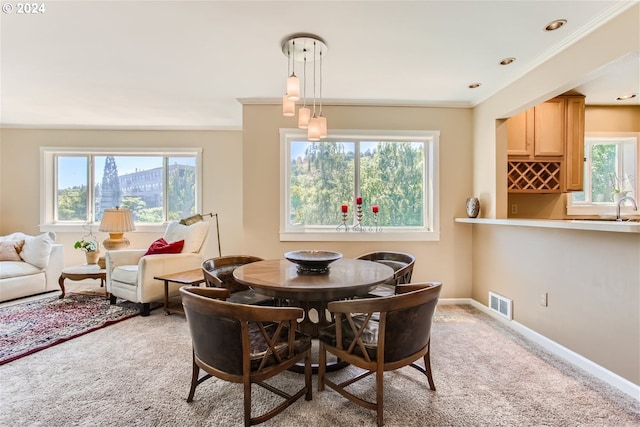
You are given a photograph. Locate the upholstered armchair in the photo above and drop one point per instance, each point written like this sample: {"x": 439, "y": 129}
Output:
{"x": 400, "y": 337}
{"x": 246, "y": 344}
{"x": 402, "y": 264}
{"x": 131, "y": 272}
{"x": 218, "y": 272}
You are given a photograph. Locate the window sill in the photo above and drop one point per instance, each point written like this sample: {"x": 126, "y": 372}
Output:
{"x": 361, "y": 236}
{"x": 602, "y": 210}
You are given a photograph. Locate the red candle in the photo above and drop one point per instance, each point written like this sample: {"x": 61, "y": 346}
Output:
{"x": 374, "y": 208}
{"x": 345, "y": 208}
{"x": 359, "y": 200}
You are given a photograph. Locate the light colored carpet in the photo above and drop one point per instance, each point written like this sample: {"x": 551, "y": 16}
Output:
{"x": 137, "y": 373}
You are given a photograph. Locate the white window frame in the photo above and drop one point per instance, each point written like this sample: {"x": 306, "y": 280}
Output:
{"x": 429, "y": 232}
{"x": 48, "y": 182}
{"x": 606, "y": 209}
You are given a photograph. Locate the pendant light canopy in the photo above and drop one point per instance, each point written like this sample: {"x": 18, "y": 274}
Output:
{"x": 305, "y": 48}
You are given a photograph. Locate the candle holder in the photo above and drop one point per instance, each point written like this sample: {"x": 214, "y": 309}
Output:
{"x": 344, "y": 223}
{"x": 376, "y": 227}
{"x": 358, "y": 225}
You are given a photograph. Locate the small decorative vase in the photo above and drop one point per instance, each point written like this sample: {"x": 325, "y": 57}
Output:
{"x": 619, "y": 195}
{"x": 92, "y": 257}
{"x": 473, "y": 207}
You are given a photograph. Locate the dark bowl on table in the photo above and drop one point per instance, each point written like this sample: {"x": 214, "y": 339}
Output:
{"x": 313, "y": 262}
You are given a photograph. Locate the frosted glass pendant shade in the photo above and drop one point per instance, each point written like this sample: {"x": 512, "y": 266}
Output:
{"x": 304, "y": 114}
{"x": 322, "y": 126}
{"x": 288, "y": 107}
{"x": 313, "y": 131}
{"x": 293, "y": 88}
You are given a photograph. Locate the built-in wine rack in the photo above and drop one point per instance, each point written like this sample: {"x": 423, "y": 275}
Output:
{"x": 534, "y": 176}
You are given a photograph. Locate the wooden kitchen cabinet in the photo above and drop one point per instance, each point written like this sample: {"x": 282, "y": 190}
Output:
{"x": 549, "y": 125}
{"x": 539, "y": 131}
{"x": 545, "y": 147}
{"x": 574, "y": 155}
{"x": 520, "y": 134}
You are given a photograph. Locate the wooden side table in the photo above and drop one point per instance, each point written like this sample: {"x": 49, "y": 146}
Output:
{"x": 189, "y": 278}
{"x": 81, "y": 272}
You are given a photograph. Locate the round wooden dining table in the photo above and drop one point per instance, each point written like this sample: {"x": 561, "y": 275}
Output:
{"x": 346, "y": 278}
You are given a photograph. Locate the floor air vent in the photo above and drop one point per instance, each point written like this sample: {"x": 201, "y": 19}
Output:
{"x": 500, "y": 304}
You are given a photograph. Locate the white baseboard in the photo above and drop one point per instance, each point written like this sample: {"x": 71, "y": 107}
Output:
{"x": 570, "y": 356}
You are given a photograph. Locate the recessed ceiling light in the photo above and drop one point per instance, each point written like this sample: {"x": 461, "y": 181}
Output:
{"x": 626, "y": 96}
{"x": 554, "y": 25}
{"x": 507, "y": 61}
{"x": 474, "y": 85}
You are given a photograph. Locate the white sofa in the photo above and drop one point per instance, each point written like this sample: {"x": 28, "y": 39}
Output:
{"x": 32, "y": 268}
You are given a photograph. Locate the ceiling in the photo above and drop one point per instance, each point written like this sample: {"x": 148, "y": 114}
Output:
{"x": 191, "y": 64}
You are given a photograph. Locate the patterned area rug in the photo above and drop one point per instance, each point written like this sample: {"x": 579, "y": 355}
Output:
{"x": 36, "y": 325}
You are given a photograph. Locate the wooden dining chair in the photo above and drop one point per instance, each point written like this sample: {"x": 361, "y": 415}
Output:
{"x": 245, "y": 344}
{"x": 400, "y": 338}
{"x": 402, "y": 264}
{"x": 218, "y": 272}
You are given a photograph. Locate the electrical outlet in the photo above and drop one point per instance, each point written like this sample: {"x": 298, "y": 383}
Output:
{"x": 514, "y": 209}
{"x": 544, "y": 299}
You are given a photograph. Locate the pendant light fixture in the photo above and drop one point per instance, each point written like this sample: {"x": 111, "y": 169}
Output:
{"x": 322, "y": 121}
{"x": 304, "y": 113}
{"x": 298, "y": 48}
{"x": 288, "y": 106}
{"x": 313, "y": 131}
{"x": 293, "y": 83}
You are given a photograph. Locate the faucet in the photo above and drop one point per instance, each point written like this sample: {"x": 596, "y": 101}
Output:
{"x": 622, "y": 199}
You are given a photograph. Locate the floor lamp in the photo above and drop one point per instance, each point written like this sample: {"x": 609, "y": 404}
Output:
{"x": 200, "y": 217}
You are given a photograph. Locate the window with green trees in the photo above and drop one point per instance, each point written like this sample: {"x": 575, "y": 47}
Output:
{"x": 392, "y": 172}
{"x": 157, "y": 187}
{"x": 609, "y": 169}
{"x": 610, "y": 172}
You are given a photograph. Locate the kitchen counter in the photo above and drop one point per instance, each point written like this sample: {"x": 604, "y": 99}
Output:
{"x": 571, "y": 224}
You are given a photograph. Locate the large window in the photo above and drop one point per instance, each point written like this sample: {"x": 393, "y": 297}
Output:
{"x": 157, "y": 186}
{"x": 394, "y": 173}
{"x": 610, "y": 171}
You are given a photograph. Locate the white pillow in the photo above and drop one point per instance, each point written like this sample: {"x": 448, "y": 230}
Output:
{"x": 37, "y": 250}
{"x": 193, "y": 235}
{"x": 14, "y": 236}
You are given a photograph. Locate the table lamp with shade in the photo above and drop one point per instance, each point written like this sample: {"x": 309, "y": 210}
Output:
{"x": 116, "y": 222}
